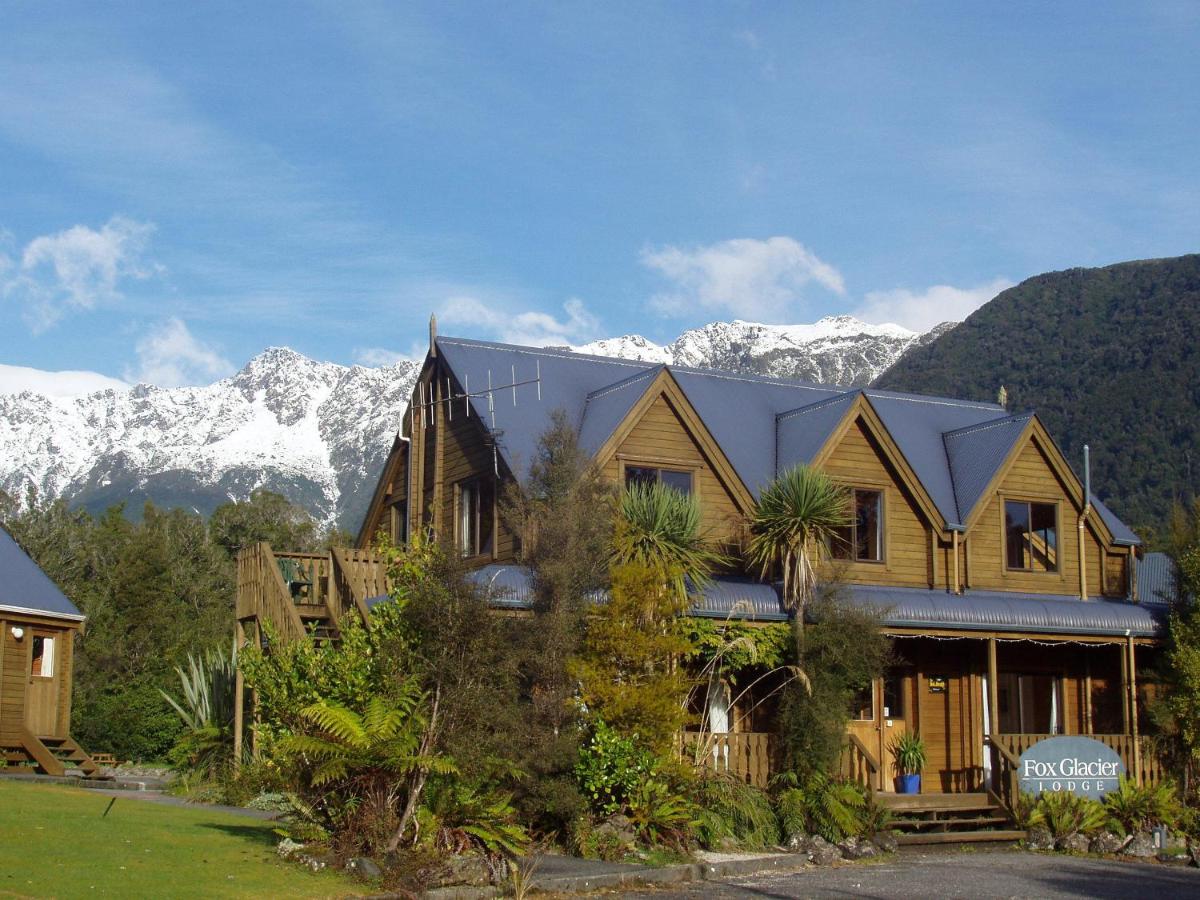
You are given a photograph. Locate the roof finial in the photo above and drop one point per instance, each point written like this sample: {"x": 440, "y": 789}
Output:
{"x": 1002, "y": 397}
{"x": 432, "y": 334}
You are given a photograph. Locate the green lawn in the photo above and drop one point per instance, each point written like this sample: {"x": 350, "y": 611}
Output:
{"x": 56, "y": 842}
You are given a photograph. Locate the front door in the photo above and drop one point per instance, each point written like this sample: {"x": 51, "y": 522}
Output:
{"x": 877, "y": 719}
{"x": 45, "y": 679}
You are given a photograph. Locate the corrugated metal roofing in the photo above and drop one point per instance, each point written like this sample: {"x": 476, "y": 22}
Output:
{"x": 24, "y": 587}
{"x": 1156, "y": 580}
{"x": 1003, "y": 611}
{"x": 975, "y": 455}
{"x": 1122, "y": 533}
{"x": 761, "y": 424}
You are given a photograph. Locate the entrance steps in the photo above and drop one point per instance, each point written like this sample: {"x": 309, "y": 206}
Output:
{"x": 47, "y": 755}
{"x": 948, "y": 818}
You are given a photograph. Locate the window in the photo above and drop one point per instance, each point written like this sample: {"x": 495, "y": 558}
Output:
{"x": 862, "y": 539}
{"x": 43, "y": 656}
{"x": 675, "y": 478}
{"x": 1031, "y": 536}
{"x": 862, "y": 707}
{"x": 473, "y": 520}
{"x": 1029, "y": 704}
{"x": 399, "y": 523}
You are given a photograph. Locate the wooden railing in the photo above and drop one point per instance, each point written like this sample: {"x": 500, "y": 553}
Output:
{"x": 358, "y": 576}
{"x": 857, "y": 763}
{"x": 262, "y": 593}
{"x": 745, "y": 755}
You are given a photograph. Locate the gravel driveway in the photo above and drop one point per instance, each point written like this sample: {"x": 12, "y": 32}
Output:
{"x": 971, "y": 873}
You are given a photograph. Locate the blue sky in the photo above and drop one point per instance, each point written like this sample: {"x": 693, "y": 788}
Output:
{"x": 183, "y": 185}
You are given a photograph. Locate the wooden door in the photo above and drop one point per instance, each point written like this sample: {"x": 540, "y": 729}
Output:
{"x": 879, "y": 718}
{"x": 45, "y": 683}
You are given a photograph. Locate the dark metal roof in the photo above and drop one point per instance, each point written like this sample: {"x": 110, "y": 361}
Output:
{"x": 762, "y": 424}
{"x": 1002, "y": 611}
{"x": 24, "y": 587}
{"x": 1156, "y": 580}
{"x": 1122, "y": 533}
{"x": 976, "y": 453}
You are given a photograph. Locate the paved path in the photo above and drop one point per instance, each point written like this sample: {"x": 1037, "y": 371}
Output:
{"x": 919, "y": 875}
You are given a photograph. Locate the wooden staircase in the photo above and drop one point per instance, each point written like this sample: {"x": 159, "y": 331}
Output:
{"x": 48, "y": 755}
{"x": 949, "y": 818}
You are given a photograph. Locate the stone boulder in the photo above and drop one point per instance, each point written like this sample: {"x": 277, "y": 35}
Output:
{"x": 886, "y": 842}
{"x": 1075, "y": 843}
{"x": 821, "y": 852}
{"x": 1106, "y": 843}
{"x": 1039, "y": 839}
{"x": 364, "y": 867}
{"x": 857, "y": 848}
{"x": 1141, "y": 846}
{"x": 465, "y": 868}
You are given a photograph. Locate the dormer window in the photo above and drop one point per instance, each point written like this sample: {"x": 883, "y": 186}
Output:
{"x": 862, "y": 539}
{"x": 678, "y": 479}
{"x": 1031, "y": 536}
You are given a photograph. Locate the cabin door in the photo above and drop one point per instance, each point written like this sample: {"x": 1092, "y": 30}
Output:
{"x": 878, "y": 718}
{"x": 45, "y": 681}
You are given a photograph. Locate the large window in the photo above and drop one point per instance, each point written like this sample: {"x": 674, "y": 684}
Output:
{"x": 473, "y": 517}
{"x": 679, "y": 479}
{"x": 1031, "y": 536}
{"x": 862, "y": 539}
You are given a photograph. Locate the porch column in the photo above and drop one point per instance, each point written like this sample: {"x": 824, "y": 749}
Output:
{"x": 1124, "y": 689}
{"x": 239, "y": 688}
{"x": 1133, "y": 711}
{"x": 1087, "y": 695}
{"x": 993, "y": 690}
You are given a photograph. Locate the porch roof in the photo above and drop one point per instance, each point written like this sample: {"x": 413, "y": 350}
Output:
{"x": 1005, "y": 611}
{"x": 747, "y": 599}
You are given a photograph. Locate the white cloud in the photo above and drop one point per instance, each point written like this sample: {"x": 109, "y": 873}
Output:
{"x": 761, "y": 280}
{"x": 531, "y": 328}
{"x": 170, "y": 356}
{"x": 920, "y": 311}
{"x": 75, "y": 269}
{"x": 15, "y": 379}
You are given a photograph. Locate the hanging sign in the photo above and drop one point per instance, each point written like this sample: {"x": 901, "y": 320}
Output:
{"x": 1077, "y": 765}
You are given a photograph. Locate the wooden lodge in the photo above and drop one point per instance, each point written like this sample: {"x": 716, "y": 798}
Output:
{"x": 1015, "y": 596}
{"x": 38, "y": 625}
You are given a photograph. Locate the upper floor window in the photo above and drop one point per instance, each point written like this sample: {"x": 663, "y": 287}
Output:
{"x": 473, "y": 517}
{"x": 1031, "y": 536}
{"x": 398, "y": 522}
{"x": 679, "y": 479}
{"x": 862, "y": 539}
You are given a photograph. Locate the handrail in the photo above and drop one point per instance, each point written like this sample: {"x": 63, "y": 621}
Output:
{"x": 871, "y": 761}
{"x": 262, "y": 593}
{"x": 356, "y": 577}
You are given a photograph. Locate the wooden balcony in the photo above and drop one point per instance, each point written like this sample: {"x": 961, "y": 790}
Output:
{"x": 744, "y": 755}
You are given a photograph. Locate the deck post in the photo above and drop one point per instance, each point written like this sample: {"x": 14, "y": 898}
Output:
{"x": 1123, "y": 652}
{"x": 993, "y": 690}
{"x": 1133, "y": 711}
{"x": 1088, "y": 728}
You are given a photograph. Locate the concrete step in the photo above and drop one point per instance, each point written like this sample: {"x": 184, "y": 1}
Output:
{"x": 961, "y": 837}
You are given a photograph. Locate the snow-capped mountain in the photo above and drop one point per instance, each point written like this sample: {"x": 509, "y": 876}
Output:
{"x": 320, "y": 432}
{"x": 835, "y": 350}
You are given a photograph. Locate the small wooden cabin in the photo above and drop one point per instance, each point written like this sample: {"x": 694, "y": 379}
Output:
{"x": 38, "y": 625}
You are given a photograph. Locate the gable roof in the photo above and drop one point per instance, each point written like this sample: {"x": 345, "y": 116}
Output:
{"x": 762, "y": 425}
{"x": 25, "y": 588}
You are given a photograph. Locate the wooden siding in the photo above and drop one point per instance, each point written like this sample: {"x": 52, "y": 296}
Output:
{"x": 1032, "y": 478}
{"x": 12, "y": 682}
{"x": 660, "y": 438}
{"x": 858, "y": 461}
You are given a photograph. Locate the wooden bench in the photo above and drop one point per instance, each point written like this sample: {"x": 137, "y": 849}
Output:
{"x": 104, "y": 760}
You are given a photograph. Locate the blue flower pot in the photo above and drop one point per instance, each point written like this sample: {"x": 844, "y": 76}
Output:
{"x": 908, "y": 784}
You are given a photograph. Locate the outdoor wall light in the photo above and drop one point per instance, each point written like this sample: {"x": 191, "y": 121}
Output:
{"x": 18, "y": 632}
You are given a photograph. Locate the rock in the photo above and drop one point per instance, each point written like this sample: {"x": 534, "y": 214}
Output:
{"x": 1106, "y": 843}
{"x": 315, "y": 860}
{"x": 728, "y": 844}
{"x": 364, "y": 866}
{"x": 1075, "y": 843}
{"x": 1141, "y": 847}
{"x": 857, "y": 848}
{"x": 797, "y": 843}
{"x": 886, "y": 842}
{"x": 466, "y": 868}
{"x": 1039, "y": 839}
{"x": 821, "y": 852}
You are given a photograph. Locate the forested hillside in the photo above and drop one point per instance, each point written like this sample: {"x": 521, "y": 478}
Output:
{"x": 1107, "y": 357}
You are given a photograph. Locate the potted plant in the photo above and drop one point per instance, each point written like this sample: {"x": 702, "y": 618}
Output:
{"x": 909, "y": 752}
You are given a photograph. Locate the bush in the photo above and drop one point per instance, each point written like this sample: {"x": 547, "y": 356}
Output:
{"x": 1065, "y": 815}
{"x": 820, "y": 805}
{"x": 611, "y": 767}
{"x": 133, "y": 723}
{"x": 1135, "y": 809}
{"x": 462, "y": 815}
{"x": 729, "y": 808}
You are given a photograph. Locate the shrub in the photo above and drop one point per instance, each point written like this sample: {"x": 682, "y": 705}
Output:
{"x": 729, "y": 808}
{"x": 611, "y": 767}
{"x": 464, "y": 815}
{"x": 1137, "y": 809}
{"x": 1065, "y": 815}
{"x": 821, "y": 805}
{"x": 662, "y": 816}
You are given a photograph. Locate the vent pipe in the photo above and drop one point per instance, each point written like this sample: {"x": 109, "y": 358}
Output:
{"x": 1082, "y": 523}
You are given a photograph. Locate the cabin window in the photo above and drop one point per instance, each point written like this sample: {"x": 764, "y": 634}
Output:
{"x": 862, "y": 539}
{"x": 1031, "y": 536}
{"x": 862, "y": 707}
{"x": 473, "y": 522}
{"x": 893, "y": 695}
{"x": 1030, "y": 704}
{"x": 43, "y": 656}
{"x": 679, "y": 479}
